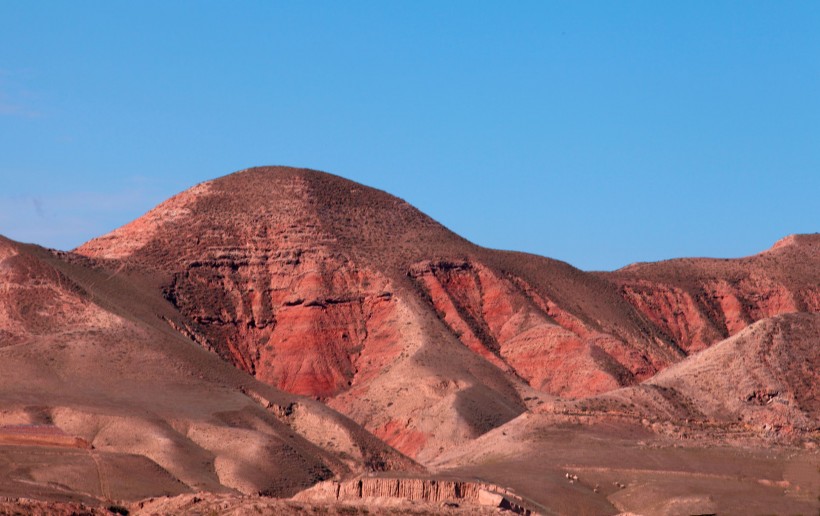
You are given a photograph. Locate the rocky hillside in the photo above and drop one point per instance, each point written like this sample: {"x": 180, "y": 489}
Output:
{"x": 324, "y": 287}
{"x": 767, "y": 376}
{"x": 102, "y": 399}
{"x": 697, "y": 302}
{"x": 280, "y": 328}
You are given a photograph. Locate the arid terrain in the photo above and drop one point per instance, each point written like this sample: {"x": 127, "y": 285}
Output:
{"x": 287, "y": 341}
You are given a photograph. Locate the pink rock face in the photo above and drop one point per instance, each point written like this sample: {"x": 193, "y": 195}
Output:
{"x": 698, "y": 302}
{"x": 675, "y": 311}
{"x": 514, "y": 330}
{"x": 401, "y": 436}
{"x": 300, "y": 321}
{"x": 255, "y": 271}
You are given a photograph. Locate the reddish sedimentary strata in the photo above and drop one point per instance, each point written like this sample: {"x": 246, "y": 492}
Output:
{"x": 298, "y": 278}
{"x": 299, "y": 320}
{"x": 697, "y": 302}
{"x": 323, "y": 287}
{"x": 518, "y": 330}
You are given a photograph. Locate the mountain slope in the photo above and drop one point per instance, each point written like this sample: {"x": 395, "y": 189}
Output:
{"x": 153, "y": 361}
{"x": 731, "y": 429}
{"x": 324, "y": 287}
{"x": 102, "y": 399}
{"x": 697, "y": 302}
{"x": 768, "y": 375}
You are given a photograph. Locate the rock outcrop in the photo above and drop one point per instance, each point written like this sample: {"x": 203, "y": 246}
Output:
{"x": 427, "y": 490}
{"x": 522, "y": 331}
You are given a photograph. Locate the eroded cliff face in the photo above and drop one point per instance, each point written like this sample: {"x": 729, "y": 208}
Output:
{"x": 512, "y": 326}
{"x": 300, "y": 319}
{"x": 698, "y": 302}
{"x": 298, "y": 278}
{"x": 427, "y": 490}
{"x": 255, "y": 274}
{"x": 255, "y": 267}
{"x": 676, "y": 312}
{"x": 715, "y": 309}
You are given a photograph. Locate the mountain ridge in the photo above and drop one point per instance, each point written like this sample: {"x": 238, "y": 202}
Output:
{"x": 325, "y": 287}
{"x": 275, "y": 328}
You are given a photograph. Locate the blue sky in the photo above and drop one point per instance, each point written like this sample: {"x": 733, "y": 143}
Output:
{"x": 600, "y": 133}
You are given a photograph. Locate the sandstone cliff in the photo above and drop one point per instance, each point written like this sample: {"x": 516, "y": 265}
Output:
{"x": 426, "y": 490}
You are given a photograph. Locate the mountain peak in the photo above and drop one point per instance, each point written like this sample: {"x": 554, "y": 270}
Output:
{"x": 272, "y": 207}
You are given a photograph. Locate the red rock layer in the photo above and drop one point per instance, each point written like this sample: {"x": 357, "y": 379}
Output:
{"x": 401, "y": 436}
{"x": 697, "y": 302}
{"x": 255, "y": 273}
{"x": 39, "y": 435}
{"x": 518, "y": 330}
{"x": 299, "y": 320}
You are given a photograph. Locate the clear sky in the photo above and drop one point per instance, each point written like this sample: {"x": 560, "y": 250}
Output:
{"x": 596, "y": 133}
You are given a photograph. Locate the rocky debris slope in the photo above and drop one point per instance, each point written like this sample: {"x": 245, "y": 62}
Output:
{"x": 758, "y": 387}
{"x": 767, "y": 376}
{"x": 697, "y": 302}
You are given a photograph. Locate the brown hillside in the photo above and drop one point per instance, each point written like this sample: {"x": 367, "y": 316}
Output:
{"x": 102, "y": 399}
{"x": 153, "y": 363}
{"x": 732, "y": 429}
{"x": 768, "y": 375}
{"x": 325, "y": 287}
